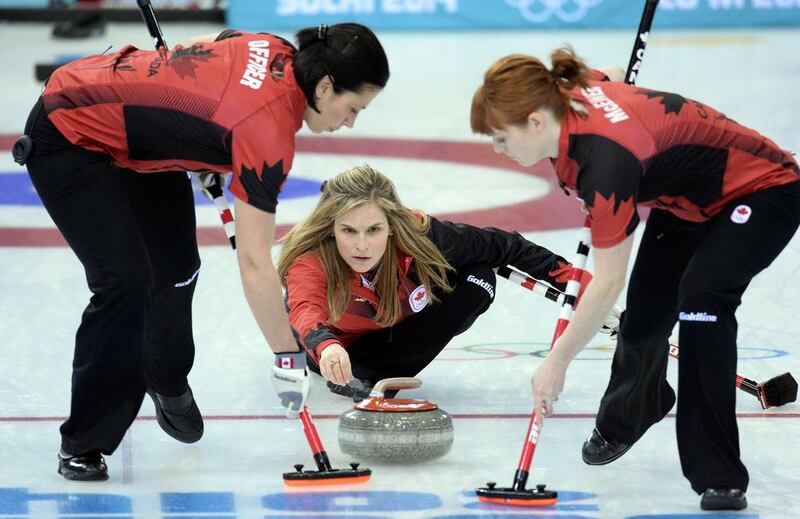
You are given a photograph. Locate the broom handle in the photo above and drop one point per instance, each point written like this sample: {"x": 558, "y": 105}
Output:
{"x": 320, "y": 456}
{"x": 567, "y": 307}
{"x": 152, "y": 24}
{"x": 220, "y": 203}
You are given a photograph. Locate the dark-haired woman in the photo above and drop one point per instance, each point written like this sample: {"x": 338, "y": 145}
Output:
{"x": 113, "y": 137}
{"x": 724, "y": 202}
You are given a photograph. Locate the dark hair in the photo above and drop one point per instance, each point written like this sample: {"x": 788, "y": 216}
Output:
{"x": 516, "y": 85}
{"x": 348, "y": 52}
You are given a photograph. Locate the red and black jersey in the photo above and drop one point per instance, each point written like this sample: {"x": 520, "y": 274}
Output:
{"x": 460, "y": 244}
{"x": 230, "y": 105}
{"x": 629, "y": 146}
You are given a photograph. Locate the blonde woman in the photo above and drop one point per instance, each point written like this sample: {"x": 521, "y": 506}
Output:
{"x": 376, "y": 290}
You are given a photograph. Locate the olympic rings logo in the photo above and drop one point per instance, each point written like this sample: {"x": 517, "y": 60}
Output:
{"x": 538, "y": 11}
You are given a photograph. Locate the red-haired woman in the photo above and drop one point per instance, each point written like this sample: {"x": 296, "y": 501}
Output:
{"x": 724, "y": 203}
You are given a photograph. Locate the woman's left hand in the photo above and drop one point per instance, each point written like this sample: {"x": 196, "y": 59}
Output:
{"x": 547, "y": 383}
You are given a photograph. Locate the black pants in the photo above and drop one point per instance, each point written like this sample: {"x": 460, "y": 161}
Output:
{"x": 408, "y": 347}
{"x": 696, "y": 273}
{"x": 135, "y": 236}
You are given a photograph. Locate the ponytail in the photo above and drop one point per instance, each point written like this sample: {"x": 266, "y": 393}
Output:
{"x": 569, "y": 71}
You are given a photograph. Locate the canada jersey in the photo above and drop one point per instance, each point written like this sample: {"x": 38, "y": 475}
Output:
{"x": 231, "y": 105}
{"x": 627, "y": 146}
{"x": 461, "y": 245}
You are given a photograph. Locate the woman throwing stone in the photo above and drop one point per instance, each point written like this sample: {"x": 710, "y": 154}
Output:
{"x": 233, "y": 104}
{"x": 376, "y": 290}
{"x": 724, "y": 202}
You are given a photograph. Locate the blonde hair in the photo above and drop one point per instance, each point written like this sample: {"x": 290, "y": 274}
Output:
{"x": 344, "y": 192}
{"x": 518, "y": 85}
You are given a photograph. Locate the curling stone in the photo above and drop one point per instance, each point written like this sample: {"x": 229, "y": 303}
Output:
{"x": 395, "y": 430}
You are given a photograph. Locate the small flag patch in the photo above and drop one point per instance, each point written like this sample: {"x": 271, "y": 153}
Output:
{"x": 418, "y": 299}
{"x": 741, "y": 214}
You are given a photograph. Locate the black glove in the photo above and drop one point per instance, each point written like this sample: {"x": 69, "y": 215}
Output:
{"x": 211, "y": 184}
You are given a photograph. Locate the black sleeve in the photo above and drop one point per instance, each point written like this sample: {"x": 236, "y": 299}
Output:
{"x": 263, "y": 192}
{"x": 608, "y": 183}
{"x": 463, "y": 244}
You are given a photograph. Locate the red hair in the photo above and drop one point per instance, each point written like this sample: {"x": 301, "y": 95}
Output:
{"x": 517, "y": 85}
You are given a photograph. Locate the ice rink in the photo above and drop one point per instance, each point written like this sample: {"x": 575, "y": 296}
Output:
{"x": 417, "y": 132}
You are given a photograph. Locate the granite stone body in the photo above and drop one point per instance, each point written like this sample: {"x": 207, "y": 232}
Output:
{"x": 396, "y": 437}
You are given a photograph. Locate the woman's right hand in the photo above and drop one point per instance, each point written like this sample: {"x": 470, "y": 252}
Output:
{"x": 334, "y": 364}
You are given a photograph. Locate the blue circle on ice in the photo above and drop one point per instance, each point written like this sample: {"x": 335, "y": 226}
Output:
{"x": 16, "y": 189}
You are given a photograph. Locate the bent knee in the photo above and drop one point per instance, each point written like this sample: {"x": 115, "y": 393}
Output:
{"x": 479, "y": 279}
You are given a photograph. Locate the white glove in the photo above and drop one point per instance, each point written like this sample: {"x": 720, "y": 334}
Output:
{"x": 211, "y": 184}
{"x": 611, "y": 326}
{"x": 291, "y": 381}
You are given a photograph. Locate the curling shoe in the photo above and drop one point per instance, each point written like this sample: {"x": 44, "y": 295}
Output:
{"x": 89, "y": 466}
{"x": 723, "y": 499}
{"x": 178, "y": 416}
{"x": 599, "y": 451}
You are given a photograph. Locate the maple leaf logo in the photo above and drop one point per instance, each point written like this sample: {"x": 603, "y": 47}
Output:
{"x": 264, "y": 187}
{"x": 673, "y": 103}
{"x": 184, "y": 60}
{"x": 616, "y": 219}
{"x": 420, "y": 295}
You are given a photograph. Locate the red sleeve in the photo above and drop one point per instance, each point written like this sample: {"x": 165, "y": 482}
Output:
{"x": 263, "y": 151}
{"x": 307, "y": 304}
